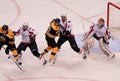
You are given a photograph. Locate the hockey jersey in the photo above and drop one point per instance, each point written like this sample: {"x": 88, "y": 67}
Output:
{"x": 8, "y": 37}
{"x": 27, "y": 35}
{"x": 53, "y": 30}
{"x": 100, "y": 32}
{"x": 66, "y": 27}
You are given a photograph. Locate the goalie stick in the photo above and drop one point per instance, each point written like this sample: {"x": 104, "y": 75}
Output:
{"x": 12, "y": 58}
{"x": 87, "y": 47}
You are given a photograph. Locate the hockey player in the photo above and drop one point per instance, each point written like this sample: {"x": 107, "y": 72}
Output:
{"x": 28, "y": 40}
{"x": 7, "y": 38}
{"x": 101, "y": 33}
{"x": 66, "y": 34}
{"x": 51, "y": 33}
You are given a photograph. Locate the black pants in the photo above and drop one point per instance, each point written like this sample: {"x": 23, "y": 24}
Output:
{"x": 33, "y": 47}
{"x": 98, "y": 38}
{"x": 71, "y": 41}
{"x": 9, "y": 46}
{"x": 51, "y": 42}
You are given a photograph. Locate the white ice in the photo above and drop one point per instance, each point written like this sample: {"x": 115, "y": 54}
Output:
{"x": 69, "y": 66}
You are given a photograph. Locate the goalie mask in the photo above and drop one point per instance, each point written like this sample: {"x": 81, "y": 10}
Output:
{"x": 101, "y": 22}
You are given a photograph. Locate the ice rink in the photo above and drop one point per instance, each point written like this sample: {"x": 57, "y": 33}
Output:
{"x": 69, "y": 66}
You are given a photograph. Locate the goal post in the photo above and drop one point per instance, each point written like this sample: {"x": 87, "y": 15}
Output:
{"x": 113, "y": 13}
{"x": 113, "y": 18}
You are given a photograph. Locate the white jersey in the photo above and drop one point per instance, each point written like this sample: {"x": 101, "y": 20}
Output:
{"x": 67, "y": 25}
{"x": 100, "y": 32}
{"x": 26, "y": 34}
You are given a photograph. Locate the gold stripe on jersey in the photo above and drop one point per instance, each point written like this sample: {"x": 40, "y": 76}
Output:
{"x": 53, "y": 30}
{"x": 9, "y": 33}
{"x": 55, "y": 27}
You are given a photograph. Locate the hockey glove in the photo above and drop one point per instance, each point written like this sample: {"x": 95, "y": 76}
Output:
{"x": 14, "y": 32}
{"x": 32, "y": 38}
{"x": 7, "y": 50}
{"x": 66, "y": 32}
{"x": 2, "y": 39}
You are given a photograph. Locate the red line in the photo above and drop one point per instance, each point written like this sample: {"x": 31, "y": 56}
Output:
{"x": 18, "y": 12}
{"x": 9, "y": 79}
{"x": 60, "y": 78}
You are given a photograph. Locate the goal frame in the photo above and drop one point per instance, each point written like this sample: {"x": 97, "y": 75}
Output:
{"x": 108, "y": 11}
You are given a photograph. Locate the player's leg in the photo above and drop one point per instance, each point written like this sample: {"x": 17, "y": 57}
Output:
{"x": 21, "y": 47}
{"x": 15, "y": 53}
{"x": 54, "y": 51}
{"x": 49, "y": 43}
{"x": 75, "y": 47}
{"x": 73, "y": 44}
{"x": 88, "y": 45}
{"x": 1, "y": 44}
{"x": 60, "y": 41}
{"x": 53, "y": 55}
{"x": 105, "y": 49}
{"x": 34, "y": 49}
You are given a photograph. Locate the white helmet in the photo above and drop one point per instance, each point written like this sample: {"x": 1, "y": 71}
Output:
{"x": 64, "y": 15}
{"x": 25, "y": 24}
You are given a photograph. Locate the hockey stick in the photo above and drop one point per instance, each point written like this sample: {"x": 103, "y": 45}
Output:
{"x": 83, "y": 26}
{"x": 12, "y": 58}
{"x": 113, "y": 37}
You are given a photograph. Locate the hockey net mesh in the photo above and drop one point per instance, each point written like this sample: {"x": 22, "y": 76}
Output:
{"x": 114, "y": 20}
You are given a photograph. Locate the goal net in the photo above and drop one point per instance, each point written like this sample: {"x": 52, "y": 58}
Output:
{"x": 113, "y": 18}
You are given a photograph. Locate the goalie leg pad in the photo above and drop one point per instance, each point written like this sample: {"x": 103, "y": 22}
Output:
{"x": 104, "y": 48}
{"x": 91, "y": 43}
{"x": 88, "y": 45}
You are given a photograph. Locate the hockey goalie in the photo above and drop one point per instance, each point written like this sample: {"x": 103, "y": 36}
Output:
{"x": 102, "y": 34}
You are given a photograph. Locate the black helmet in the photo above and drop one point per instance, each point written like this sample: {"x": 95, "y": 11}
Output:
{"x": 5, "y": 27}
{"x": 57, "y": 20}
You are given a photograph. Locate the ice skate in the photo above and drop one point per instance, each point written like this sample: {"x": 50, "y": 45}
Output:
{"x": 83, "y": 53}
{"x": 44, "y": 62}
{"x": 52, "y": 61}
{"x": 111, "y": 56}
{"x": 84, "y": 56}
{"x": 19, "y": 62}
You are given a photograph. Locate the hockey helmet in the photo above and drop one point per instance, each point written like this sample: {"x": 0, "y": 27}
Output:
{"x": 64, "y": 15}
{"x": 57, "y": 20}
{"x": 26, "y": 24}
{"x": 5, "y": 27}
{"x": 101, "y": 20}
